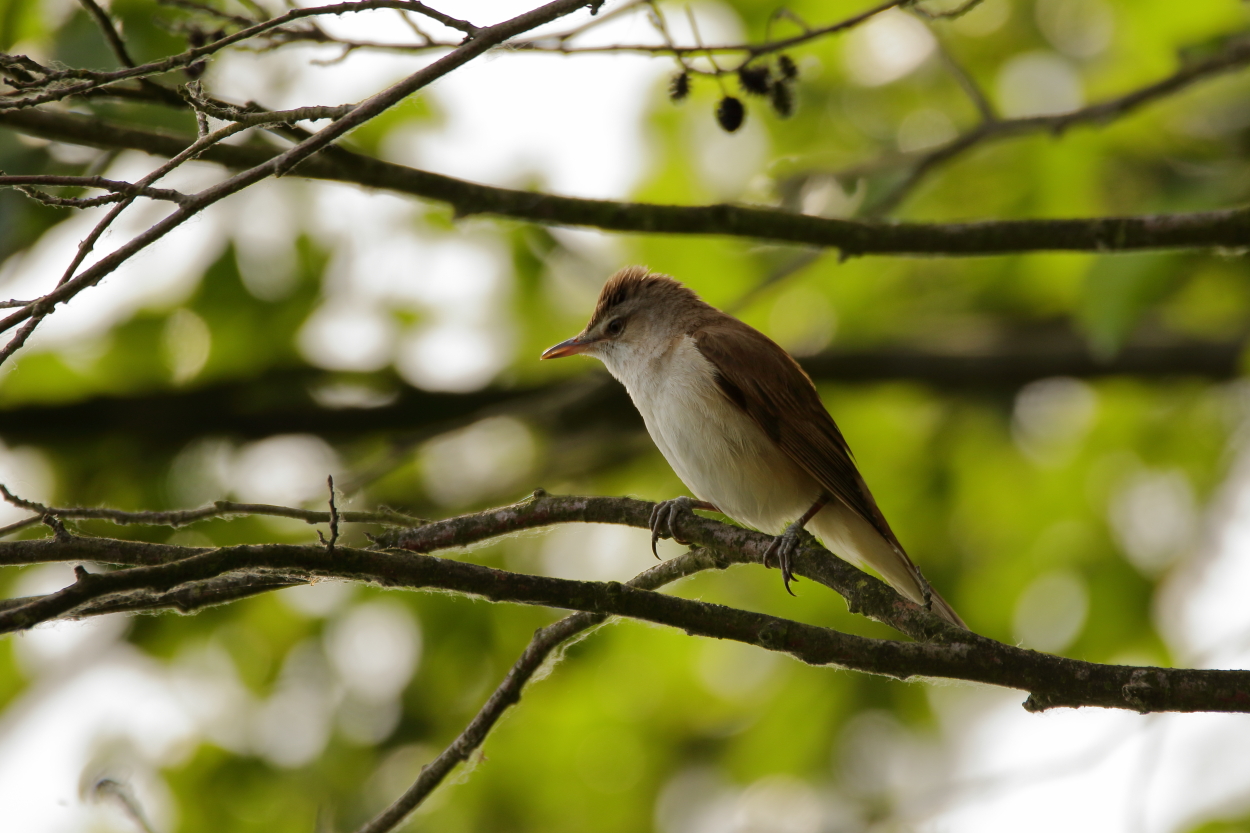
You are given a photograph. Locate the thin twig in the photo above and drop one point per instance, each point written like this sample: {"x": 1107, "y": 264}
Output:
{"x": 90, "y": 80}
{"x": 967, "y": 83}
{"x": 111, "y": 35}
{"x": 957, "y": 12}
{"x": 204, "y": 8}
{"x": 218, "y": 509}
{"x": 334, "y": 520}
{"x": 116, "y": 186}
{"x": 1235, "y": 55}
{"x": 508, "y": 693}
{"x": 42, "y": 307}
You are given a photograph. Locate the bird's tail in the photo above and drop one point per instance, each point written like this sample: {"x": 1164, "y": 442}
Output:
{"x": 848, "y": 535}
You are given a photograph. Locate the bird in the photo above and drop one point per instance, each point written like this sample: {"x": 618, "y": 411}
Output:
{"x": 743, "y": 427}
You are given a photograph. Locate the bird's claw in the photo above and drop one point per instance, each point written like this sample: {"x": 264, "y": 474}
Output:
{"x": 662, "y": 517}
{"x": 784, "y": 547}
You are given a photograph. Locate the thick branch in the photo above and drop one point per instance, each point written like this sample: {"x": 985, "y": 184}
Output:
{"x": 1228, "y": 228}
{"x": 1052, "y": 681}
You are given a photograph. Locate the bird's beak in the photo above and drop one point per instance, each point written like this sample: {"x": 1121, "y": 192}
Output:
{"x": 576, "y": 344}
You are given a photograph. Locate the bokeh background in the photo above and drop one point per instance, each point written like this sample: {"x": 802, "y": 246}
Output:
{"x": 304, "y": 328}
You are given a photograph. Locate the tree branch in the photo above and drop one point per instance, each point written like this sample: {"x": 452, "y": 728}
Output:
{"x": 1227, "y": 228}
{"x": 1052, "y": 681}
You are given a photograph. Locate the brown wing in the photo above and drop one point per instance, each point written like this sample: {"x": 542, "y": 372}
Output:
{"x": 780, "y": 397}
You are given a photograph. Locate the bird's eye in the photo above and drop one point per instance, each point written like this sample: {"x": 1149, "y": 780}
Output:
{"x": 616, "y": 326}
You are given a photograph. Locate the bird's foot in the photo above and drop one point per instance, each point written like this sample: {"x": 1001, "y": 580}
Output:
{"x": 784, "y": 546}
{"x": 668, "y": 511}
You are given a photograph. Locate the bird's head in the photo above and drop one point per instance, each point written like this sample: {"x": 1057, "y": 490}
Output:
{"x": 638, "y": 315}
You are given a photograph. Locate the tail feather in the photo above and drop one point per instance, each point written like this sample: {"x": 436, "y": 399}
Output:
{"x": 848, "y": 535}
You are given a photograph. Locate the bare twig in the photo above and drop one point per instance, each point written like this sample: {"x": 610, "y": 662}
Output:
{"x": 1236, "y": 54}
{"x": 219, "y": 509}
{"x": 42, "y": 307}
{"x": 334, "y": 520}
{"x": 191, "y": 578}
{"x": 89, "y": 80}
{"x": 117, "y": 187}
{"x": 959, "y": 11}
{"x": 967, "y": 83}
{"x": 111, "y": 35}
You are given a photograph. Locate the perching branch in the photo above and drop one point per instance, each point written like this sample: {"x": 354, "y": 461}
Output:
{"x": 952, "y": 653}
{"x": 188, "y": 579}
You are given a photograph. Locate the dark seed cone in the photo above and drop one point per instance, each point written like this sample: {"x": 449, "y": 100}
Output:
{"x": 755, "y": 80}
{"x": 679, "y": 87}
{"x": 786, "y": 66}
{"x": 782, "y": 99}
{"x": 730, "y": 113}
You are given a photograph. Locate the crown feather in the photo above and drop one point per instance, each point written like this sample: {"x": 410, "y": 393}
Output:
{"x": 636, "y": 281}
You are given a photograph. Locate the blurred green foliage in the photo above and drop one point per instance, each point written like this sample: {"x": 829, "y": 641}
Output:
{"x": 985, "y": 499}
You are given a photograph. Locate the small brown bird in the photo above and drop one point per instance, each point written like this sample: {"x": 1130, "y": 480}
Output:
{"x": 742, "y": 425}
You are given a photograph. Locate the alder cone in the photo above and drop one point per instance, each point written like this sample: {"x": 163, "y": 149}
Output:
{"x": 786, "y": 66}
{"x": 679, "y": 87}
{"x": 755, "y": 80}
{"x": 782, "y": 99}
{"x": 730, "y": 113}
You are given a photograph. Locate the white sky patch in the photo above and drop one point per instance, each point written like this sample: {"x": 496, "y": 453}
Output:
{"x": 1038, "y": 84}
{"x": 507, "y": 123}
{"x": 887, "y": 48}
{"x": 57, "y": 729}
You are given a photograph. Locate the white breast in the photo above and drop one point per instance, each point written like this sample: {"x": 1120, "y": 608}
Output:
{"x": 715, "y": 448}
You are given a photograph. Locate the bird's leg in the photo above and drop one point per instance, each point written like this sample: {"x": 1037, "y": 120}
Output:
{"x": 787, "y": 542}
{"x": 665, "y": 512}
